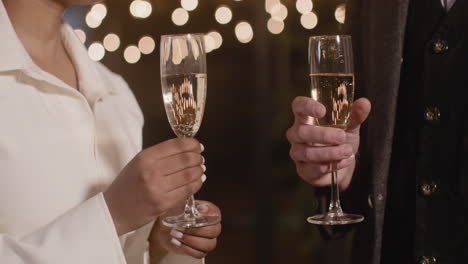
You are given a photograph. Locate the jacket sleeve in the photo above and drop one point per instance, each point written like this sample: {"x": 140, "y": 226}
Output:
{"x": 85, "y": 234}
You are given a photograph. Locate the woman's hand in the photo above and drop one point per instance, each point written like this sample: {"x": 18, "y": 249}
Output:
{"x": 157, "y": 179}
{"x": 314, "y": 148}
{"x": 195, "y": 242}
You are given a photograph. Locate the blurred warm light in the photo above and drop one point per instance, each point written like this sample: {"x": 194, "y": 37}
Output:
{"x": 111, "y": 42}
{"x": 99, "y": 10}
{"x": 146, "y": 45}
{"x": 92, "y": 20}
{"x": 304, "y": 6}
{"x": 81, "y": 35}
{"x": 141, "y": 8}
{"x": 244, "y": 32}
{"x": 223, "y": 15}
{"x": 209, "y": 43}
{"x": 218, "y": 39}
{"x": 132, "y": 54}
{"x": 275, "y": 26}
{"x": 96, "y": 51}
{"x": 309, "y": 20}
{"x": 180, "y": 17}
{"x": 279, "y": 12}
{"x": 189, "y": 5}
{"x": 269, "y": 4}
{"x": 340, "y": 13}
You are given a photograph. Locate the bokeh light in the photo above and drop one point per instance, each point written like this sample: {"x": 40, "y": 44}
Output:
{"x": 189, "y": 5}
{"x": 275, "y": 26}
{"x": 180, "y": 17}
{"x": 304, "y": 6}
{"x": 309, "y": 20}
{"x": 132, "y": 54}
{"x": 223, "y": 15}
{"x": 81, "y": 35}
{"x": 141, "y": 9}
{"x": 217, "y": 37}
{"x": 99, "y": 11}
{"x": 340, "y": 13}
{"x": 244, "y": 32}
{"x": 111, "y": 42}
{"x": 209, "y": 43}
{"x": 269, "y": 4}
{"x": 279, "y": 12}
{"x": 146, "y": 45}
{"x": 96, "y": 51}
{"x": 92, "y": 20}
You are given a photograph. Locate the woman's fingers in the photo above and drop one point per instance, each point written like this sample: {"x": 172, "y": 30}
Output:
{"x": 194, "y": 246}
{"x": 208, "y": 232}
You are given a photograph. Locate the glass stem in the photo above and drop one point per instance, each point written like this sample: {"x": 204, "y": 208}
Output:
{"x": 334, "y": 209}
{"x": 190, "y": 210}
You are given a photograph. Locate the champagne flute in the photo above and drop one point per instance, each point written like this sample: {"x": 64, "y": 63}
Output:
{"x": 332, "y": 84}
{"x": 184, "y": 85}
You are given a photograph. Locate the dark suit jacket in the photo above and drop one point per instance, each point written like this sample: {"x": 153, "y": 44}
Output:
{"x": 378, "y": 29}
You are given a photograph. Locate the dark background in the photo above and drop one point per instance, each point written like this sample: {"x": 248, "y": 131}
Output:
{"x": 250, "y": 88}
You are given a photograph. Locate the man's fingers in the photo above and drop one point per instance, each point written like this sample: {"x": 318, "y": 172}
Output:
{"x": 179, "y": 162}
{"x": 359, "y": 113}
{"x": 318, "y": 175}
{"x": 304, "y": 106}
{"x": 311, "y": 171}
{"x": 316, "y": 134}
{"x": 172, "y": 147}
{"x": 320, "y": 154}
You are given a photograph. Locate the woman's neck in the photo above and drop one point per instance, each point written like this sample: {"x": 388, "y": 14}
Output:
{"x": 37, "y": 24}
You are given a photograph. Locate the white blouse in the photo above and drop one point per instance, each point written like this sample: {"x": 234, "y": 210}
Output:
{"x": 59, "y": 149}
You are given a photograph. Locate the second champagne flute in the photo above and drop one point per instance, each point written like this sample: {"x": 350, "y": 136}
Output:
{"x": 332, "y": 84}
{"x": 184, "y": 85}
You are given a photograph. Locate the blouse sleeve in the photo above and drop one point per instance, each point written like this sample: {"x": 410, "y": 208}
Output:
{"x": 85, "y": 234}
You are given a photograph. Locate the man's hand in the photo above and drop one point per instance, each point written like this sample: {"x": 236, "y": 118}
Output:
{"x": 314, "y": 148}
{"x": 195, "y": 242}
{"x": 156, "y": 180}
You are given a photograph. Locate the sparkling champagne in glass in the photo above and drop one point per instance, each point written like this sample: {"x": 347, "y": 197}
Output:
{"x": 184, "y": 85}
{"x": 332, "y": 84}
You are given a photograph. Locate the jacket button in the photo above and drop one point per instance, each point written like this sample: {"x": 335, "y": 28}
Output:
{"x": 428, "y": 189}
{"x": 427, "y": 260}
{"x": 440, "y": 46}
{"x": 432, "y": 114}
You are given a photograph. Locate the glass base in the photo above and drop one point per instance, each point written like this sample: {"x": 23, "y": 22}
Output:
{"x": 343, "y": 219}
{"x": 184, "y": 222}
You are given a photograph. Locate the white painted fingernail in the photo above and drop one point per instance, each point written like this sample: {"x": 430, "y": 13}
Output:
{"x": 202, "y": 147}
{"x": 176, "y": 242}
{"x": 203, "y": 159}
{"x": 203, "y": 167}
{"x": 176, "y": 234}
{"x": 203, "y": 178}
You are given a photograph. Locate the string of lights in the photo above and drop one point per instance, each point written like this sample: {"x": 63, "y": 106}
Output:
{"x": 142, "y": 9}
